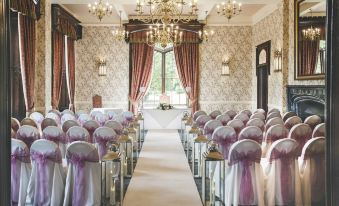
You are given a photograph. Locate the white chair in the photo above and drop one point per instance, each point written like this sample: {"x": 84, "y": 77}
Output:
{"x": 68, "y": 124}
{"x": 224, "y": 136}
{"x": 274, "y": 133}
{"x": 283, "y": 182}
{"x": 237, "y": 125}
{"x": 301, "y": 133}
{"x": 260, "y": 111}
{"x": 129, "y": 116}
{"x": 116, "y": 126}
{"x": 246, "y": 111}
{"x": 224, "y": 119}
{"x": 54, "y": 116}
{"x": 77, "y": 133}
{"x": 251, "y": 132}
{"x": 20, "y": 171}
{"x": 260, "y": 116}
{"x": 243, "y": 117}
{"x": 29, "y": 121}
{"x": 94, "y": 113}
{"x": 79, "y": 113}
{"x": 121, "y": 119}
{"x": 244, "y": 179}
{"x": 47, "y": 183}
{"x": 48, "y": 122}
{"x": 202, "y": 120}
{"x": 56, "y": 135}
{"x": 65, "y": 117}
{"x": 312, "y": 171}
{"x": 27, "y": 134}
{"x": 288, "y": 115}
{"x": 210, "y": 126}
{"x": 67, "y": 111}
{"x": 111, "y": 114}
{"x": 37, "y": 117}
{"x": 214, "y": 114}
{"x": 83, "y": 175}
{"x": 290, "y": 122}
{"x": 231, "y": 113}
{"x": 15, "y": 124}
{"x": 197, "y": 114}
{"x": 91, "y": 126}
{"x": 55, "y": 112}
{"x": 319, "y": 131}
{"x": 273, "y": 121}
{"x": 256, "y": 122}
{"x": 84, "y": 118}
{"x": 273, "y": 115}
{"x": 313, "y": 121}
{"x": 101, "y": 118}
{"x": 273, "y": 110}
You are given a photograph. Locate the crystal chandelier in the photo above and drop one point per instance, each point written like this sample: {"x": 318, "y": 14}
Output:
{"x": 100, "y": 10}
{"x": 166, "y": 11}
{"x": 205, "y": 34}
{"x": 164, "y": 35}
{"x": 311, "y": 33}
{"x": 120, "y": 33}
{"x": 229, "y": 9}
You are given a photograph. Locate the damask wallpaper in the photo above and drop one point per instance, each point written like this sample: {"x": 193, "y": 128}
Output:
{"x": 97, "y": 42}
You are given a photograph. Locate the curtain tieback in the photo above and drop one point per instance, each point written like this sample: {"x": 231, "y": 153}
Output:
{"x": 193, "y": 101}
{"x": 133, "y": 102}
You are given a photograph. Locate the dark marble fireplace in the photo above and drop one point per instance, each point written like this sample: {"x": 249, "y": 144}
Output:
{"x": 306, "y": 100}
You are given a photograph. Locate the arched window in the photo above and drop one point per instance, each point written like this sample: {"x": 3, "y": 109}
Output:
{"x": 165, "y": 79}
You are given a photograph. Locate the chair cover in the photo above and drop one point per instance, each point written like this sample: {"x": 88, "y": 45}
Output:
{"x": 91, "y": 126}
{"x": 83, "y": 175}
{"x": 312, "y": 171}
{"x": 273, "y": 115}
{"x": 237, "y": 125}
{"x": 283, "y": 182}
{"x": 197, "y": 114}
{"x": 273, "y": 110}
{"x": 313, "y": 121}
{"x": 231, "y": 113}
{"x": 116, "y": 126}
{"x": 256, "y": 122}
{"x": 47, "y": 182}
{"x": 37, "y": 117}
{"x": 67, "y": 111}
{"x": 13, "y": 133}
{"x": 84, "y": 118}
{"x": 80, "y": 112}
{"x": 290, "y": 122}
{"x": 301, "y": 133}
{"x": 48, "y": 122}
{"x": 244, "y": 180}
{"x": 28, "y": 135}
{"x": 55, "y": 134}
{"x": 319, "y": 131}
{"x": 273, "y": 134}
{"x": 224, "y": 136}
{"x": 29, "y": 121}
{"x": 55, "y": 112}
{"x": 54, "y": 116}
{"x": 101, "y": 118}
{"x": 243, "y": 117}
{"x": 288, "y": 115}
{"x": 102, "y": 136}
{"x": 129, "y": 116}
{"x": 260, "y": 111}
{"x": 258, "y": 116}
{"x": 214, "y": 114}
{"x": 273, "y": 121}
{"x": 202, "y": 120}
{"x": 20, "y": 171}
{"x": 111, "y": 115}
{"x": 15, "y": 124}
{"x": 251, "y": 132}
{"x": 68, "y": 124}
{"x": 77, "y": 133}
{"x": 210, "y": 126}
{"x": 94, "y": 113}
{"x": 121, "y": 119}
{"x": 66, "y": 117}
{"x": 224, "y": 119}
{"x": 246, "y": 111}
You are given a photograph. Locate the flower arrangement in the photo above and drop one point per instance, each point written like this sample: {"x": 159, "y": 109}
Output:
{"x": 165, "y": 106}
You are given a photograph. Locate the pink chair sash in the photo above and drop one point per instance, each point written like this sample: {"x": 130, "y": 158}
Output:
{"x": 102, "y": 142}
{"x": 41, "y": 194}
{"x": 272, "y": 138}
{"x": 21, "y": 155}
{"x": 56, "y": 138}
{"x": 257, "y": 138}
{"x": 28, "y": 139}
{"x": 246, "y": 160}
{"x": 287, "y": 160}
{"x": 225, "y": 143}
{"x": 80, "y": 181}
{"x": 77, "y": 137}
{"x": 90, "y": 131}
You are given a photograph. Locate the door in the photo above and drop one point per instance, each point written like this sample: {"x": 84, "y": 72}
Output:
{"x": 263, "y": 54}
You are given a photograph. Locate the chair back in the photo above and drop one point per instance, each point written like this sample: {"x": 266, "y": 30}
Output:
{"x": 197, "y": 114}
{"x": 37, "y": 117}
{"x": 290, "y": 122}
{"x": 80, "y": 112}
{"x": 65, "y": 117}
{"x": 224, "y": 136}
{"x": 231, "y": 113}
{"x": 116, "y": 126}
{"x": 246, "y": 111}
{"x": 224, "y": 119}
{"x": 273, "y": 121}
{"x": 202, "y": 120}
{"x": 68, "y": 124}
{"x": 27, "y": 134}
{"x": 243, "y": 117}
{"x": 129, "y": 116}
{"x": 94, "y": 113}
{"x": 29, "y": 121}
{"x": 253, "y": 133}
{"x": 258, "y": 116}
{"x": 121, "y": 119}
{"x": 273, "y": 115}
{"x": 48, "y": 122}
{"x": 67, "y": 111}
{"x": 256, "y": 122}
{"x": 101, "y": 118}
{"x": 276, "y": 132}
{"x": 313, "y": 121}
{"x": 210, "y": 126}
{"x": 54, "y": 116}
{"x": 84, "y": 118}
{"x": 77, "y": 133}
{"x": 319, "y": 131}
{"x": 54, "y": 133}
{"x": 273, "y": 110}
{"x": 260, "y": 111}
{"x": 55, "y": 112}
{"x": 102, "y": 136}
{"x": 214, "y": 114}
{"x": 111, "y": 114}
{"x": 91, "y": 126}
{"x": 288, "y": 115}
{"x": 15, "y": 124}
{"x": 301, "y": 133}
{"x": 237, "y": 125}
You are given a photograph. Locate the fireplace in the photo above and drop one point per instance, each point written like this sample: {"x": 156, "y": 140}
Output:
{"x": 306, "y": 100}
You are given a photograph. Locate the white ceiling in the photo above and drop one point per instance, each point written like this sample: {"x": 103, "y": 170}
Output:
{"x": 253, "y": 11}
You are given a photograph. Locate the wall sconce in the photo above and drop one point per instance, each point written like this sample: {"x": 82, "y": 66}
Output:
{"x": 278, "y": 60}
{"x": 225, "y": 67}
{"x": 102, "y": 67}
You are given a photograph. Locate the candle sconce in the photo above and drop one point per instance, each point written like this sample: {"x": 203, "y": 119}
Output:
{"x": 278, "y": 60}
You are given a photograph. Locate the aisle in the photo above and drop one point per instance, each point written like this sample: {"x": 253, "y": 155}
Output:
{"x": 162, "y": 175}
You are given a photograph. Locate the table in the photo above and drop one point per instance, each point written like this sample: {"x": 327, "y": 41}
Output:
{"x": 163, "y": 119}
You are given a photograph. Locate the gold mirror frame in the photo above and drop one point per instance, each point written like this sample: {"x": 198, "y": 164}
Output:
{"x": 296, "y": 59}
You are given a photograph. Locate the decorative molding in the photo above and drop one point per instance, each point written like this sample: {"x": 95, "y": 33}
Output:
{"x": 264, "y": 12}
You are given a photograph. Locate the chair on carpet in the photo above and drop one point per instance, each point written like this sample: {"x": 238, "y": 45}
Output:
{"x": 313, "y": 121}
{"x": 260, "y": 111}
{"x": 256, "y": 122}
{"x": 47, "y": 182}
{"x": 20, "y": 171}
{"x": 251, "y": 132}
{"x": 116, "y": 126}
{"x": 91, "y": 126}
{"x": 273, "y": 121}
{"x": 83, "y": 176}
{"x": 67, "y": 111}
{"x": 237, "y": 125}
{"x": 55, "y": 112}
{"x": 319, "y": 131}
{"x": 274, "y": 133}
{"x": 56, "y": 135}
{"x": 13, "y": 133}
{"x": 129, "y": 116}
{"x": 202, "y": 120}
{"x": 77, "y": 133}
{"x": 54, "y": 116}
{"x": 224, "y": 119}
{"x": 121, "y": 119}
{"x": 246, "y": 111}
{"x": 288, "y": 115}
{"x": 273, "y": 115}
{"x": 84, "y": 118}
{"x": 301, "y": 133}
{"x": 224, "y": 136}
{"x": 312, "y": 171}
{"x": 231, "y": 113}
{"x": 48, "y": 122}
{"x": 273, "y": 110}
{"x": 37, "y": 117}
{"x": 28, "y": 134}
{"x": 101, "y": 118}
{"x": 290, "y": 122}
{"x": 258, "y": 116}
{"x": 197, "y": 114}
{"x": 29, "y": 121}
{"x": 244, "y": 179}
{"x": 210, "y": 126}
{"x": 66, "y": 117}
{"x": 243, "y": 117}
{"x": 94, "y": 113}
{"x": 214, "y": 114}
{"x": 282, "y": 172}
{"x": 68, "y": 124}
{"x": 15, "y": 124}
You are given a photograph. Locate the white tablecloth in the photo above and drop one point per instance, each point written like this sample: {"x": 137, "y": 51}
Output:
{"x": 163, "y": 119}
{"x": 105, "y": 110}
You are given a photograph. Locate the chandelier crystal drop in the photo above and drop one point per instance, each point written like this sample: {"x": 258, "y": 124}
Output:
{"x": 166, "y": 11}
{"x": 164, "y": 35}
{"x": 100, "y": 9}
{"x": 229, "y": 9}
{"x": 120, "y": 33}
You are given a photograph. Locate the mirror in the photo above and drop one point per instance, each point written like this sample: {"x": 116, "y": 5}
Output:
{"x": 310, "y": 39}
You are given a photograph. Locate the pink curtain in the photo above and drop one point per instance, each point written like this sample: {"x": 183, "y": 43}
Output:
{"x": 141, "y": 71}
{"x": 71, "y": 71}
{"x": 187, "y": 61}
{"x": 27, "y": 58}
{"x": 58, "y": 61}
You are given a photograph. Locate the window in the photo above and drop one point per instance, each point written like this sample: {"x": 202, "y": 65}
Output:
{"x": 165, "y": 79}
{"x": 320, "y": 67}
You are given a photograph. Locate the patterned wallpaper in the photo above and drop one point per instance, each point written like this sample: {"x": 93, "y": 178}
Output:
{"x": 226, "y": 92}
{"x": 98, "y": 42}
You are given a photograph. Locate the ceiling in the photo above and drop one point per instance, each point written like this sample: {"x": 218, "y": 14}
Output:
{"x": 253, "y": 11}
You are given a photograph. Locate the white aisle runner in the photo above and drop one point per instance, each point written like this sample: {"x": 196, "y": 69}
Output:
{"x": 162, "y": 175}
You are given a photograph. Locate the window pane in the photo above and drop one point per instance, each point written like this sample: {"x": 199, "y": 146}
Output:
{"x": 154, "y": 91}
